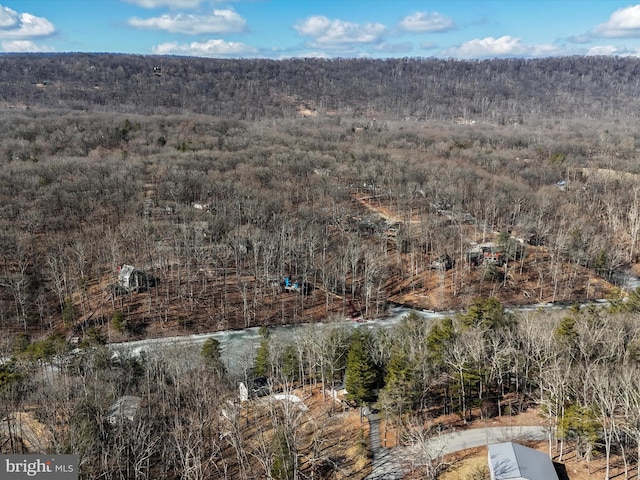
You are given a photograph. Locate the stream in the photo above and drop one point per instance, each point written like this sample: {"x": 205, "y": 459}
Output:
{"x": 238, "y": 346}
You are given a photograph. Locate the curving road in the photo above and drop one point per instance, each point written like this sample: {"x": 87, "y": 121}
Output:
{"x": 388, "y": 462}
{"x": 477, "y": 437}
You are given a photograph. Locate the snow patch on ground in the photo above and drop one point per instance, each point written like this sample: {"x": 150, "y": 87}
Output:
{"x": 290, "y": 398}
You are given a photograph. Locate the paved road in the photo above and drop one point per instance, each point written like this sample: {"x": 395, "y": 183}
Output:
{"x": 387, "y": 463}
{"x": 456, "y": 441}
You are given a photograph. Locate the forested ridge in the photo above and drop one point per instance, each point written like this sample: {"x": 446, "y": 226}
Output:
{"x": 501, "y": 91}
{"x": 254, "y": 193}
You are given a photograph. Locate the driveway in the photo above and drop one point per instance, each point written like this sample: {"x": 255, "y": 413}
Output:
{"x": 477, "y": 437}
{"x": 388, "y": 462}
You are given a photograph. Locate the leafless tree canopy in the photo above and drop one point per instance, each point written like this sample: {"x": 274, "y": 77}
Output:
{"x": 257, "y": 193}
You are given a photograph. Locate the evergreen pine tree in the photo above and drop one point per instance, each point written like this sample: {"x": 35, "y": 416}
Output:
{"x": 289, "y": 363}
{"x": 439, "y": 340}
{"x": 566, "y": 333}
{"x": 361, "y": 374}
{"x": 486, "y": 313}
{"x": 399, "y": 391}
{"x": 283, "y": 467}
{"x": 211, "y": 355}
{"x": 261, "y": 364}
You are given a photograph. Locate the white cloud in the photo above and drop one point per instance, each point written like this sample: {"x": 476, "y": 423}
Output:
{"x": 308, "y": 55}
{"x": 220, "y": 21}
{"x": 613, "y": 50}
{"x": 505, "y": 46}
{"x": 8, "y": 17}
{"x": 175, "y": 4}
{"x": 426, "y": 22}
{"x": 624, "y": 22}
{"x": 402, "y": 47}
{"x": 326, "y": 32}
{"x": 21, "y": 46}
{"x": 14, "y": 25}
{"x": 579, "y": 39}
{"x": 210, "y": 48}
{"x": 490, "y": 47}
{"x": 603, "y": 50}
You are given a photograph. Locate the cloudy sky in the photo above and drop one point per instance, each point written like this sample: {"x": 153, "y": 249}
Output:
{"x": 323, "y": 28}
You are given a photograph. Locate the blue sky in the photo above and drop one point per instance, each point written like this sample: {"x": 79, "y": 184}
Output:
{"x": 318, "y": 28}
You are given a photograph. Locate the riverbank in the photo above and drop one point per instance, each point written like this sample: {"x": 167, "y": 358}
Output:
{"x": 238, "y": 346}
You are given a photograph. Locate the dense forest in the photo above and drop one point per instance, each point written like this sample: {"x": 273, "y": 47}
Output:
{"x": 255, "y": 193}
{"x": 500, "y": 91}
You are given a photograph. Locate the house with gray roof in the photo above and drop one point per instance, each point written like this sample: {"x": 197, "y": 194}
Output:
{"x": 132, "y": 279}
{"x": 511, "y": 461}
{"x": 124, "y": 408}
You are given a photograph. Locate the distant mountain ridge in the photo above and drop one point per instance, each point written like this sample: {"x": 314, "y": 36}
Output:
{"x": 496, "y": 91}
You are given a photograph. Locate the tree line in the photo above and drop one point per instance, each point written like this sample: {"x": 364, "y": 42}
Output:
{"x": 500, "y": 91}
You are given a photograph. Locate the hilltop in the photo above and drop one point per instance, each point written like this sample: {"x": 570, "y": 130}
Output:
{"x": 417, "y": 89}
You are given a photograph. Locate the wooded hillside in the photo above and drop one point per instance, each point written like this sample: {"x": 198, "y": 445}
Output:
{"x": 154, "y": 196}
{"x": 499, "y": 91}
{"x": 363, "y": 210}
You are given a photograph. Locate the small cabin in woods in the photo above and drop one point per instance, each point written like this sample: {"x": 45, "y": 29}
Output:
{"x": 133, "y": 279}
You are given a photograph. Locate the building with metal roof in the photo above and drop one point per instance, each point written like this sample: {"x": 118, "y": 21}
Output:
{"x": 124, "y": 408}
{"x": 132, "y": 279}
{"x": 511, "y": 461}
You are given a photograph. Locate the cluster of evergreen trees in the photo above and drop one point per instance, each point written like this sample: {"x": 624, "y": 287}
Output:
{"x": 576, "y": 365}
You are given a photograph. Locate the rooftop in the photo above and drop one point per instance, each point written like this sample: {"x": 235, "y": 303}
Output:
{"x": 511, "y": 461}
